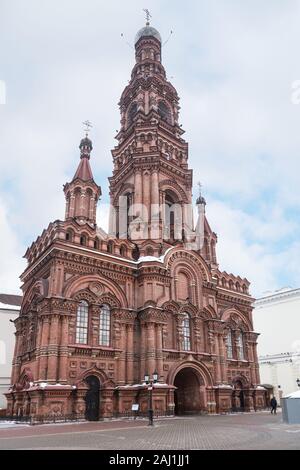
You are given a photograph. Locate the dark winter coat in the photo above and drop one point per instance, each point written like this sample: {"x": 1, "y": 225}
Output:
{"x": 273, "y": 402}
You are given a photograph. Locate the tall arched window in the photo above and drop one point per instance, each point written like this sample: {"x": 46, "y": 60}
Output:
{"x": 123, "y": 250}
{"x": 169, "y": 216}
{"x": 104, "y": 328}
{"x": 69, "y": 235}
{"x": 83, "y": 240}
{"x": 82, "y": 322}
{"x": 241, "y": 351}
{"x": 96, "y": 243}
{"x": 229, "y": 345}
{"x": 164, "y": 112}
{"x": 132, "y": 112}
{"x": 186, "y": 332}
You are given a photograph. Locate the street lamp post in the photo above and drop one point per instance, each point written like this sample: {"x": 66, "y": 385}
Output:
{"x": 150, "y": 383}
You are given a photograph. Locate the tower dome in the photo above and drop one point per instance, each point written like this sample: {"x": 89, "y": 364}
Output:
{"x": 147, "y": 31}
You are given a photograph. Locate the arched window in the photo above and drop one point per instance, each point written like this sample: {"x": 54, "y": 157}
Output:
{"x": 229, "y": 345}
{"x": 104, "y": 327}
{"x": 82, "y": 322}
{"x": 241, "y": 351}
{"x": 123, "y": 250}
{"x": 186, "y": 332}
{"x": 96, "y": 243}
{"x": 164, "y": 112}
{"x": 83, "y": 240}
{"x": 170, "y": 208}
{"x": 149, "y": 251}
{"x": 69, "y": 235}
{"x": 110, "y": 247}
{"x": 129, "y": 199}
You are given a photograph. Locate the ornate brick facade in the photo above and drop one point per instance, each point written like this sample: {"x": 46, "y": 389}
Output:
{"x": 100, "y": 310}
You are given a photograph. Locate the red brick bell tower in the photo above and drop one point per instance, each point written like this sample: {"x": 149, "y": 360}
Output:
{"x": 151, "y": 159}
{"x": 101, "y": 310}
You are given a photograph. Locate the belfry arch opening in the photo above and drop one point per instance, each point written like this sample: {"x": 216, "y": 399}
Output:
{"x": 189, "y": 396}
{"x": 172, "y": 217}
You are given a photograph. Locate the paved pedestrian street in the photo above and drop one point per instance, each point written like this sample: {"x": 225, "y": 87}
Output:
{"x": 240, "y": 431}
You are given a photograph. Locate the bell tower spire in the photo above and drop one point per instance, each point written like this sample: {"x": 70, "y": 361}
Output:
{"x": 151, "y": 171}
{"x": 82, "y": 193}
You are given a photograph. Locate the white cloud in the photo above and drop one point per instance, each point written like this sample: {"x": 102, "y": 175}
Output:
{"x": 233, "y": 66}
{"x": 11, "y": 263}
{"x": 242, "y": 253}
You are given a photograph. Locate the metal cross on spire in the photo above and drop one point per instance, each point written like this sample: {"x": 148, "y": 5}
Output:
{"x": 88, "y": 126}
{"x": 199, "y": 188}
{"x": 148, "y": 15}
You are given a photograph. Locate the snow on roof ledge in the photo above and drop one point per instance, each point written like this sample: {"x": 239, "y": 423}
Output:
{"x": 9, "y": 307}
{"x": 293, "y": 395}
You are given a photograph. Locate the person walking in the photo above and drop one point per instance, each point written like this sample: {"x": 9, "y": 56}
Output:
{"x": 273, "y": 404}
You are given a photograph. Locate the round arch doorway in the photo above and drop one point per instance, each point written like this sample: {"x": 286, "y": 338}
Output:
{"x": 187, "y": 396}
{"x": 238, "y": 396}
{"x": 92, "y": 398}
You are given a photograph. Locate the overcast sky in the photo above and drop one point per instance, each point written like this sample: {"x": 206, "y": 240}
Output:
{"x": 233, "y": 64}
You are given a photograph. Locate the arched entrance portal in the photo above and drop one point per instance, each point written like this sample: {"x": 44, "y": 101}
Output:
{"x": 238, "y": 396}
{"x": 92, "y": 398}
{"x": 187, "y": 395}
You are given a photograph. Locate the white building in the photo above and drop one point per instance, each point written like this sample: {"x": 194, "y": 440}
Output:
{"x": 9, "y": 310}
{"x": 277, "y": 318}
{"x": 281, "y": 371}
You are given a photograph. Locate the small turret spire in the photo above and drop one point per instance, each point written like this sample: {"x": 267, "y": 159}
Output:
{"x": 84, "y": 171}
{"x": 200, "y": 198}
{"x": 82, "y": 194}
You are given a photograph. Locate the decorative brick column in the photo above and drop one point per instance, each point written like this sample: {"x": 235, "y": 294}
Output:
{"x": 152, "y": 323}
{"x": 249, "y": 403}
{"x": 43, "y": 360}
{"x": 53, "y": 349}
{"x": 129, "y": 353}
{"x": 159, "y": 353}
{"x": 63, "y": 350}
{"x": 106, "y": 402}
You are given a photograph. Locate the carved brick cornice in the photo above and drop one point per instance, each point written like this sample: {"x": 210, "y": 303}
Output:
{"x": 152, "y": 315}
{"x": 142, "y": 160}
{"x": 30, "y": 272}
{"x": 209, "y": 286}
{"x": 53, "y": 304}
{"x": 89, "y": 264}
{"x": 156, "y": 83}
{"x": 251, "y": 336}
{"x": 233, "y": 298}
{"x": 154, "y": 272}
{"x": 216, "y": 325}
{"x": 124, "y": 315}
{"x": 115, "y": 274}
